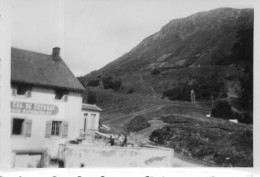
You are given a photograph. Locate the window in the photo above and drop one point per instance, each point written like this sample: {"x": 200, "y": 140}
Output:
{"x": 21, "y": 90}
{"x": 56, "y": 128}
{"x": 93, "y": 120}
{"x": 22, "y": 127}
{"x": 18, "y": 126}
{"x": 61, "y": 94}
{"x": 85, "y": 121}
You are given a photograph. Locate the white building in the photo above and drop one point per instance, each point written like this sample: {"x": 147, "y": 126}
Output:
{"x": 46, "y": 103}
{"x": 90, "y": 118}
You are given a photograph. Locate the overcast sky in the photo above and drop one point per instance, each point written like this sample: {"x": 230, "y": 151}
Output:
{"x": 92, "y": 33}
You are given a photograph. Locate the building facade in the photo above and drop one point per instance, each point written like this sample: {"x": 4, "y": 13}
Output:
{"x": 46, "y": 103}
{"x": 90, "y": 119}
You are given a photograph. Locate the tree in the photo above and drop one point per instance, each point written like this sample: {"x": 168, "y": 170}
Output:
{"x": 91, "y": 98}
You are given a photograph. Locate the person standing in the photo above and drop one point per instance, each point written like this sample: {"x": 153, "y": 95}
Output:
{"x": 125, "y": 141}
{"x": 192, "y": 94}
{"x": 111, "y": 140}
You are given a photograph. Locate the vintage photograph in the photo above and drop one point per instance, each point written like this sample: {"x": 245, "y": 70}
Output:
{"x": 120, "y": 83}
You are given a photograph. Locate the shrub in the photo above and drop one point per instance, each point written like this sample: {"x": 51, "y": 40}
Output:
{"x": 106, "y": 82}
{"x": 205, "y": 89}
{"x": 109, "y": 83}
{"x": 131, "y": 90}
{"x": 138, "y": 123}
{"x": 91, "y": 98}
{"x": 223, "y": 110}
{"x": 178, "y": 93}
{"x": 116, "y": 85}
{"x": 93, "y": 83}
{"x": 158, "y": 137}
{"x": 155, "y": 71}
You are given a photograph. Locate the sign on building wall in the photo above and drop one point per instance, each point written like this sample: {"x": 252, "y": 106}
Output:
{"x": 34, "y": 108}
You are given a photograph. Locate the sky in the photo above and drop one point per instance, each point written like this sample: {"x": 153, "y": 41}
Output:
{"x": 92, "y": 33}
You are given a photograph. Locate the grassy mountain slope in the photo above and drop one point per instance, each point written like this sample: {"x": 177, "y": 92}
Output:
{"x": 216, "y": 45}
{"x": 210, "y": 52}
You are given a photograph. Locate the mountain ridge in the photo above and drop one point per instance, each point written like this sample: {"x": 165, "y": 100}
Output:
{"x": 176, "y": 32}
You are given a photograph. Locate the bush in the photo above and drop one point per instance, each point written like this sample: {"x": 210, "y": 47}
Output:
{"x": 244, "y": 117}
{"x": 155, "y": 71}
{"x": 205, "y": 89}
{"x": 93, "y": 83}
{"x": 109, "y": 83}
{"x": 138, "y": 123}
{"x": 220, "y": 144}
{"x": 91, "y": 98}
{"x": 159, "y": 136}
{"x": 178, "y": 93}
{"x": 223, "y": 110}
{"x": 131, "y": 90}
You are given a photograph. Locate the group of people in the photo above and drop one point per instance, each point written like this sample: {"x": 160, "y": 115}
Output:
{"x": 112, "y": 141}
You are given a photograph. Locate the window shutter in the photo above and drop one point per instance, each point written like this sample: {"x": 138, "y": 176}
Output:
{"x": 12, "y": 120}
{"x": 65, "y": 126}
{"x": 28, "y": 128}
{"x": 48, "y": 129}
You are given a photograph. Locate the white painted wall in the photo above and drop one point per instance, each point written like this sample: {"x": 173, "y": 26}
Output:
{"x": 112, "y": 156}
{"x": 92, "y": 124}
{"x": 68, "y": 111}
{"x": 73, "y": 114}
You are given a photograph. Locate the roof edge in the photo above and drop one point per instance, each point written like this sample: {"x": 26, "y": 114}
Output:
{"x": 48, "y": 86}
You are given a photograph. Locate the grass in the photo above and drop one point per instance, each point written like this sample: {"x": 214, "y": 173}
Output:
{"x": 190, "y": 132}
{"x": 223, "y": 144}
{"x": 137, "y": 123}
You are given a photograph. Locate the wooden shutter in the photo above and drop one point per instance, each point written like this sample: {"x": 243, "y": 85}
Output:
{"x": 28, "y": 128}
{"x": 12, "y": 121}
{"x": 64, "y": 131}
{"x": 48, "y": 129}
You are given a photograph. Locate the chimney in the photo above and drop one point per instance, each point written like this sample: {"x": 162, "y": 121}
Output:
{"x": 56, "y": 53}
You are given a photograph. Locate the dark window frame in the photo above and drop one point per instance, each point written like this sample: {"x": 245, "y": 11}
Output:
{"x": 60, "y": 94}
{"x": 21, "y": 89}
{"x": 20, "y": 129}
{"x": 56, "y": 128}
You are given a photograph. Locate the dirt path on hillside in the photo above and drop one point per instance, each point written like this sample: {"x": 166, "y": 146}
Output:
{"x": 142, "y": 137}
{"x": 117, "y": 124}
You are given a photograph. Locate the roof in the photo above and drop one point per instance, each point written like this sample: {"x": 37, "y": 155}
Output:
{"x": 42, "y": 69}
{"x": 91, "y": 107}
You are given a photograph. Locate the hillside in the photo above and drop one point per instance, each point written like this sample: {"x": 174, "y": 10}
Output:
{"x": 205, "y": 39}
{"x": 210, "y": 52}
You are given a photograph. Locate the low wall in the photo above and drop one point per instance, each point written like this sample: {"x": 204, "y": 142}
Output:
{"x": 113, "y": 156}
